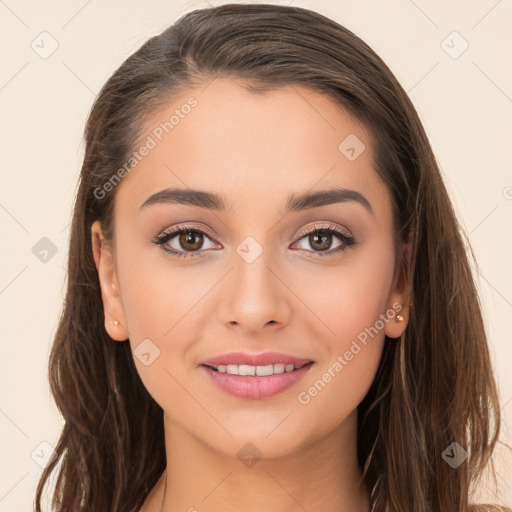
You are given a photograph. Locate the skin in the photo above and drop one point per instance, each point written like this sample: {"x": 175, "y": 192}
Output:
{"x": 255, "y": 150}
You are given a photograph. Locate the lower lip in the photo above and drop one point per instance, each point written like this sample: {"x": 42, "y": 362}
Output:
{"x": 256, "y": 388}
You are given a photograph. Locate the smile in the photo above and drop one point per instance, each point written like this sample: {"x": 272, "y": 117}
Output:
{"x": 255, "y": 382}
{"x": 259, "y": 371}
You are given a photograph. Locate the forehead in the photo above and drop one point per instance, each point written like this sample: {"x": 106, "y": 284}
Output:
{"x": 248, "y": 147}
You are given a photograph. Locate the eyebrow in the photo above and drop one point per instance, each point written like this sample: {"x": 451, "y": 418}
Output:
{"x": 295, "y": 203}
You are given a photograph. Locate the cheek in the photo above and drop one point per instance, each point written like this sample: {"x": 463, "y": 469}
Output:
{"x": 158, "y": 295}
{"x": 160, "y": 317}
{"x": 350, "y": 356}
{"x": 353, "y": 295}
{"x": 352, "y": 308}
{"x": 164, "y": 308}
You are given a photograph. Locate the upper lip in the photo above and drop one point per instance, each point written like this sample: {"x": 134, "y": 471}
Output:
{"x": 264, "y": 359}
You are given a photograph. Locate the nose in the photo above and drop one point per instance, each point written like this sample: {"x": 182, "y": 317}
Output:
{"x": 255, "y": 296}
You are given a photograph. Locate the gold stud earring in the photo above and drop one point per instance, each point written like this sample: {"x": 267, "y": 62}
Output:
{"x": 399, "y": 318}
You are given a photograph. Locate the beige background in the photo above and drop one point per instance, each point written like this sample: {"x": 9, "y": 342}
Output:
{"x": 465, "y": 104}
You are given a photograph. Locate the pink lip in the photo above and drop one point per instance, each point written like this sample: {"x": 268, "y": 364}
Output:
{"x": 254, "y": 387}
{"x": 255, "y": 359}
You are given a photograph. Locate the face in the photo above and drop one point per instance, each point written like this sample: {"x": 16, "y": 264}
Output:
{"x": 311, "y": 280}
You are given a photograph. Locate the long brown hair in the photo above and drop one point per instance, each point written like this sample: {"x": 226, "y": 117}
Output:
{"x": 435, "y": 386}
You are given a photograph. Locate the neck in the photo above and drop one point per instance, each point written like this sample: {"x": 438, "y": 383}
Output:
{"x": 322, "y": 475}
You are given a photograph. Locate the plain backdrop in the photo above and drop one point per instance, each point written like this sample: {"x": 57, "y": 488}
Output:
{"x": 452, "y": 57}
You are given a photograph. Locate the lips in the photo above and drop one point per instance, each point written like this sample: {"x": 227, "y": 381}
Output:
{"x": 264, "y": 359}
{"x": 255, "y": 387}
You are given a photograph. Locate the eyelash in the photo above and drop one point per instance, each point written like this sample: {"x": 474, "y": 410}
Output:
{"x": 162, "y": 239}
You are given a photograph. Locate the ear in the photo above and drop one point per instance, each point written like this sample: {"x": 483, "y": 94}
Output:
{"x": 399, "y": 298}
{"x": 110, "y": 294}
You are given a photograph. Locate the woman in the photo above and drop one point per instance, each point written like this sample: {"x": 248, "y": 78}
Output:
{"x": 269, "y": 305}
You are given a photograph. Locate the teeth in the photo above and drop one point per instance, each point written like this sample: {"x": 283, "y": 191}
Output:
{"x": 279, "y": 368}
{"x": 260, "y": 371}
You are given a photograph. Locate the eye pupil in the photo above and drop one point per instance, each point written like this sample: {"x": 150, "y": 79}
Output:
{"x": 323, "y": 237}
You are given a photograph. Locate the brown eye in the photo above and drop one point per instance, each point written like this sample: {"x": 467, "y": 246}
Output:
{"x": 184, "y": 241}
{"x": 191, "y": 240}
{"x": 320, "y": 240}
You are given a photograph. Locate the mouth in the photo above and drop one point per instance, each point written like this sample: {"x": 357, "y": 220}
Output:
{"x": 255, "y": 382}
{"x": 247, "y": 370}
